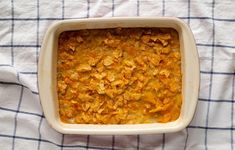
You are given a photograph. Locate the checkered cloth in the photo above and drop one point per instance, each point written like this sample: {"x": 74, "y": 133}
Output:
{"x": 22, "y": 26}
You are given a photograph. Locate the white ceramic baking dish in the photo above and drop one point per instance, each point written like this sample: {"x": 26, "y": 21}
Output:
{"x": 47, "y": 75}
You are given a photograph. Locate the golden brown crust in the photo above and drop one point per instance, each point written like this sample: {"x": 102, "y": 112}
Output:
{"x": 119, "y": 76}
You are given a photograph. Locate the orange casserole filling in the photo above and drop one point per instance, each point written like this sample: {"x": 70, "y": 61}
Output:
{"x": 119, "y": 76}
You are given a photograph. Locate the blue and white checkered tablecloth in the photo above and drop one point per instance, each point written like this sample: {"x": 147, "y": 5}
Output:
{"x": 22, "y": 26}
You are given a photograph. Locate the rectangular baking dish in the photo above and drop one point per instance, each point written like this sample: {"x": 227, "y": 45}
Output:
{"x": 47, "y": 75}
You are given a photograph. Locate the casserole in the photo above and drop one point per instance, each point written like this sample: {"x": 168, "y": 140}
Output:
{"x": 47, "y": 75}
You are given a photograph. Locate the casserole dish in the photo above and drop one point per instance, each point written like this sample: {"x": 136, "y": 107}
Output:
{"x": 47, "y": 81}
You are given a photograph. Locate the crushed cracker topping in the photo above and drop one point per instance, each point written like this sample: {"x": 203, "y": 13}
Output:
{"x": 119, "y": 76}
